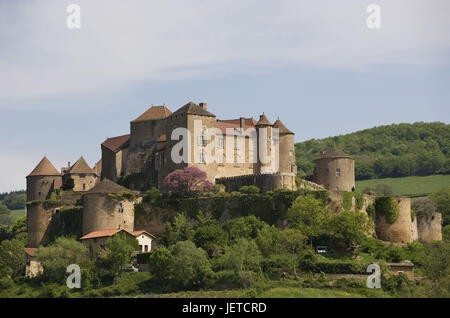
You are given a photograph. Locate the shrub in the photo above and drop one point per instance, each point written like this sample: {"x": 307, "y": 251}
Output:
{"x": 152, "y": 195}
{"x": 359, "y": 200}
{"x": 387, "y": 207}
{"x": 347, "y": 198}
{"x": 370, "y": 210}
{"x": 249, "y": 189}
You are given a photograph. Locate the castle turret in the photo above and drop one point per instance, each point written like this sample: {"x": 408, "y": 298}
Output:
{"x": 104, "y": 208}
{"x": 335, "y": 170}
{"x": 42, "y": 181}
{"x": 40, "y": 184}
{"x": 286, "y": 150}
{"x": 265, "y": 162}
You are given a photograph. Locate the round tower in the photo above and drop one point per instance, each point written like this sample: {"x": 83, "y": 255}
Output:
{"x": 286, "y": 150}
{"x": 265, "y": 160}
{"x": 400, "y": 230}
{"x": 103, "y": 209}
{"x": 41, "y": 182}
{"x": 335, "y": 170}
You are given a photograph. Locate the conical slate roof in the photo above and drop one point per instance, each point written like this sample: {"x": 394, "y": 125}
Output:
{"x": 334, "y": 153}
{"x": 44, "y": 168}
{"x": 281, "y": 128}
{"x": 106, "y": 186}
{"x": 193, "y": 109}
{"x": 81, "y": 167}
{"x": 263, "y": 121}
{"x": 154, "y": 112}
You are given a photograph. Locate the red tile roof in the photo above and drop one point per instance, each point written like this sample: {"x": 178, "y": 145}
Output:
{"x": 137, "y": 233}
{"x": 234, "y": 124}
{"x": 104, "y": 233}
{"x": 44, "y": 168}
{"x": 281, "y": 127}
{"x": 117, "y": 143}
{"x": 334, "y": 153}
{"x": 263, "y": 121}
{"x": 162, "y": 138}
{"x": 154, "y": 112}
{"x": 193, "y": 109}
{"x": 30, "y": 251}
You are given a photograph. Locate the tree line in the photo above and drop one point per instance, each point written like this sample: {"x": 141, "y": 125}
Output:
{"x": 397, "y": 150}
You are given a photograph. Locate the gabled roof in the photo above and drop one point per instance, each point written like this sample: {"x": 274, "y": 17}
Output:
{"x": 153, "y": 113}
{"x": 106, "y": 186}
{"x": 263, "y": 121}
{"x": 281, "y": 128}
{"x": 80, "y": 167}
{"x": 334, "y": 153}
{"x": 117, "y": 143}
{"x": 137, "y": 233}
{"x": 44, "y": 168}
{"x": 103, "y": 233}
{"x": 193, "y": 109}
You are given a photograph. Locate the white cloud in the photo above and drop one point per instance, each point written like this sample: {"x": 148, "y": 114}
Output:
{"x": 122, "y": 42}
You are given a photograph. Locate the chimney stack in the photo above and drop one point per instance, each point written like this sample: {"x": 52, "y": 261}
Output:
{"x": 242, "y": 123}
{"x": 68, "y": 164}
{"x": 204, "y": 105}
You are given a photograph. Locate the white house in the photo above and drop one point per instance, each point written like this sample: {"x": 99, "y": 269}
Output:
{"x": 145, "y": 240}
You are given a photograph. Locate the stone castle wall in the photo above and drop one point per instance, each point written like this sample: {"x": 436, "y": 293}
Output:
{"x": 265, "y": 182}
{"x": 429, "y": 227}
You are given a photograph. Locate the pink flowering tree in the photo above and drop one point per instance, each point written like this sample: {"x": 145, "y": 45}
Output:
{"x": 188, "y": 180}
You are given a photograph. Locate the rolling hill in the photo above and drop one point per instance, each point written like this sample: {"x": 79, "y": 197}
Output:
{"x": 391, "y": 151}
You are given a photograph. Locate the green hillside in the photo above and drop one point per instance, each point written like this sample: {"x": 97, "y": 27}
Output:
{"x": 408, "y": 186}
{"x": 398, "y": 150}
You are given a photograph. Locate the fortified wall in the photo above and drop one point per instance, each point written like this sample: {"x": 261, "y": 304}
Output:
{"x": 265, "y": 182}
{"x": 429, "y": 227}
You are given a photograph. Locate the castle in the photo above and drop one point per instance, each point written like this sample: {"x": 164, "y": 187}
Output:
{"x": 146, "y": 156}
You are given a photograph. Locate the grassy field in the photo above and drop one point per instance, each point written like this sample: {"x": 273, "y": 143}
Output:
{"x": 409, "y": 186}
{"x": 18, "y": 213}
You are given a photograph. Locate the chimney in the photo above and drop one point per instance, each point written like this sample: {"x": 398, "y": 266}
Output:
{"x": 242, "y": 123}
{"x": 68, "y": 164}
{"x": 204, "y": 105}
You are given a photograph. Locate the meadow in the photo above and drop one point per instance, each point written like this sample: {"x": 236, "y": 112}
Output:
{"x": 409, "y": 186}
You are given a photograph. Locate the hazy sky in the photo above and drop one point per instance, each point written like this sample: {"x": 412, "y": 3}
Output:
{"x": 315, "y": 64}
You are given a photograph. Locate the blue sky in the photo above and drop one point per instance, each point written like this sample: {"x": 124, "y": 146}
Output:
{"x": 314, "y": 64}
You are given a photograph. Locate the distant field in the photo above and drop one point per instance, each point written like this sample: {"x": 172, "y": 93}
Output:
{"x": 409, "y": 186}
{"x": 18, "y": 213}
